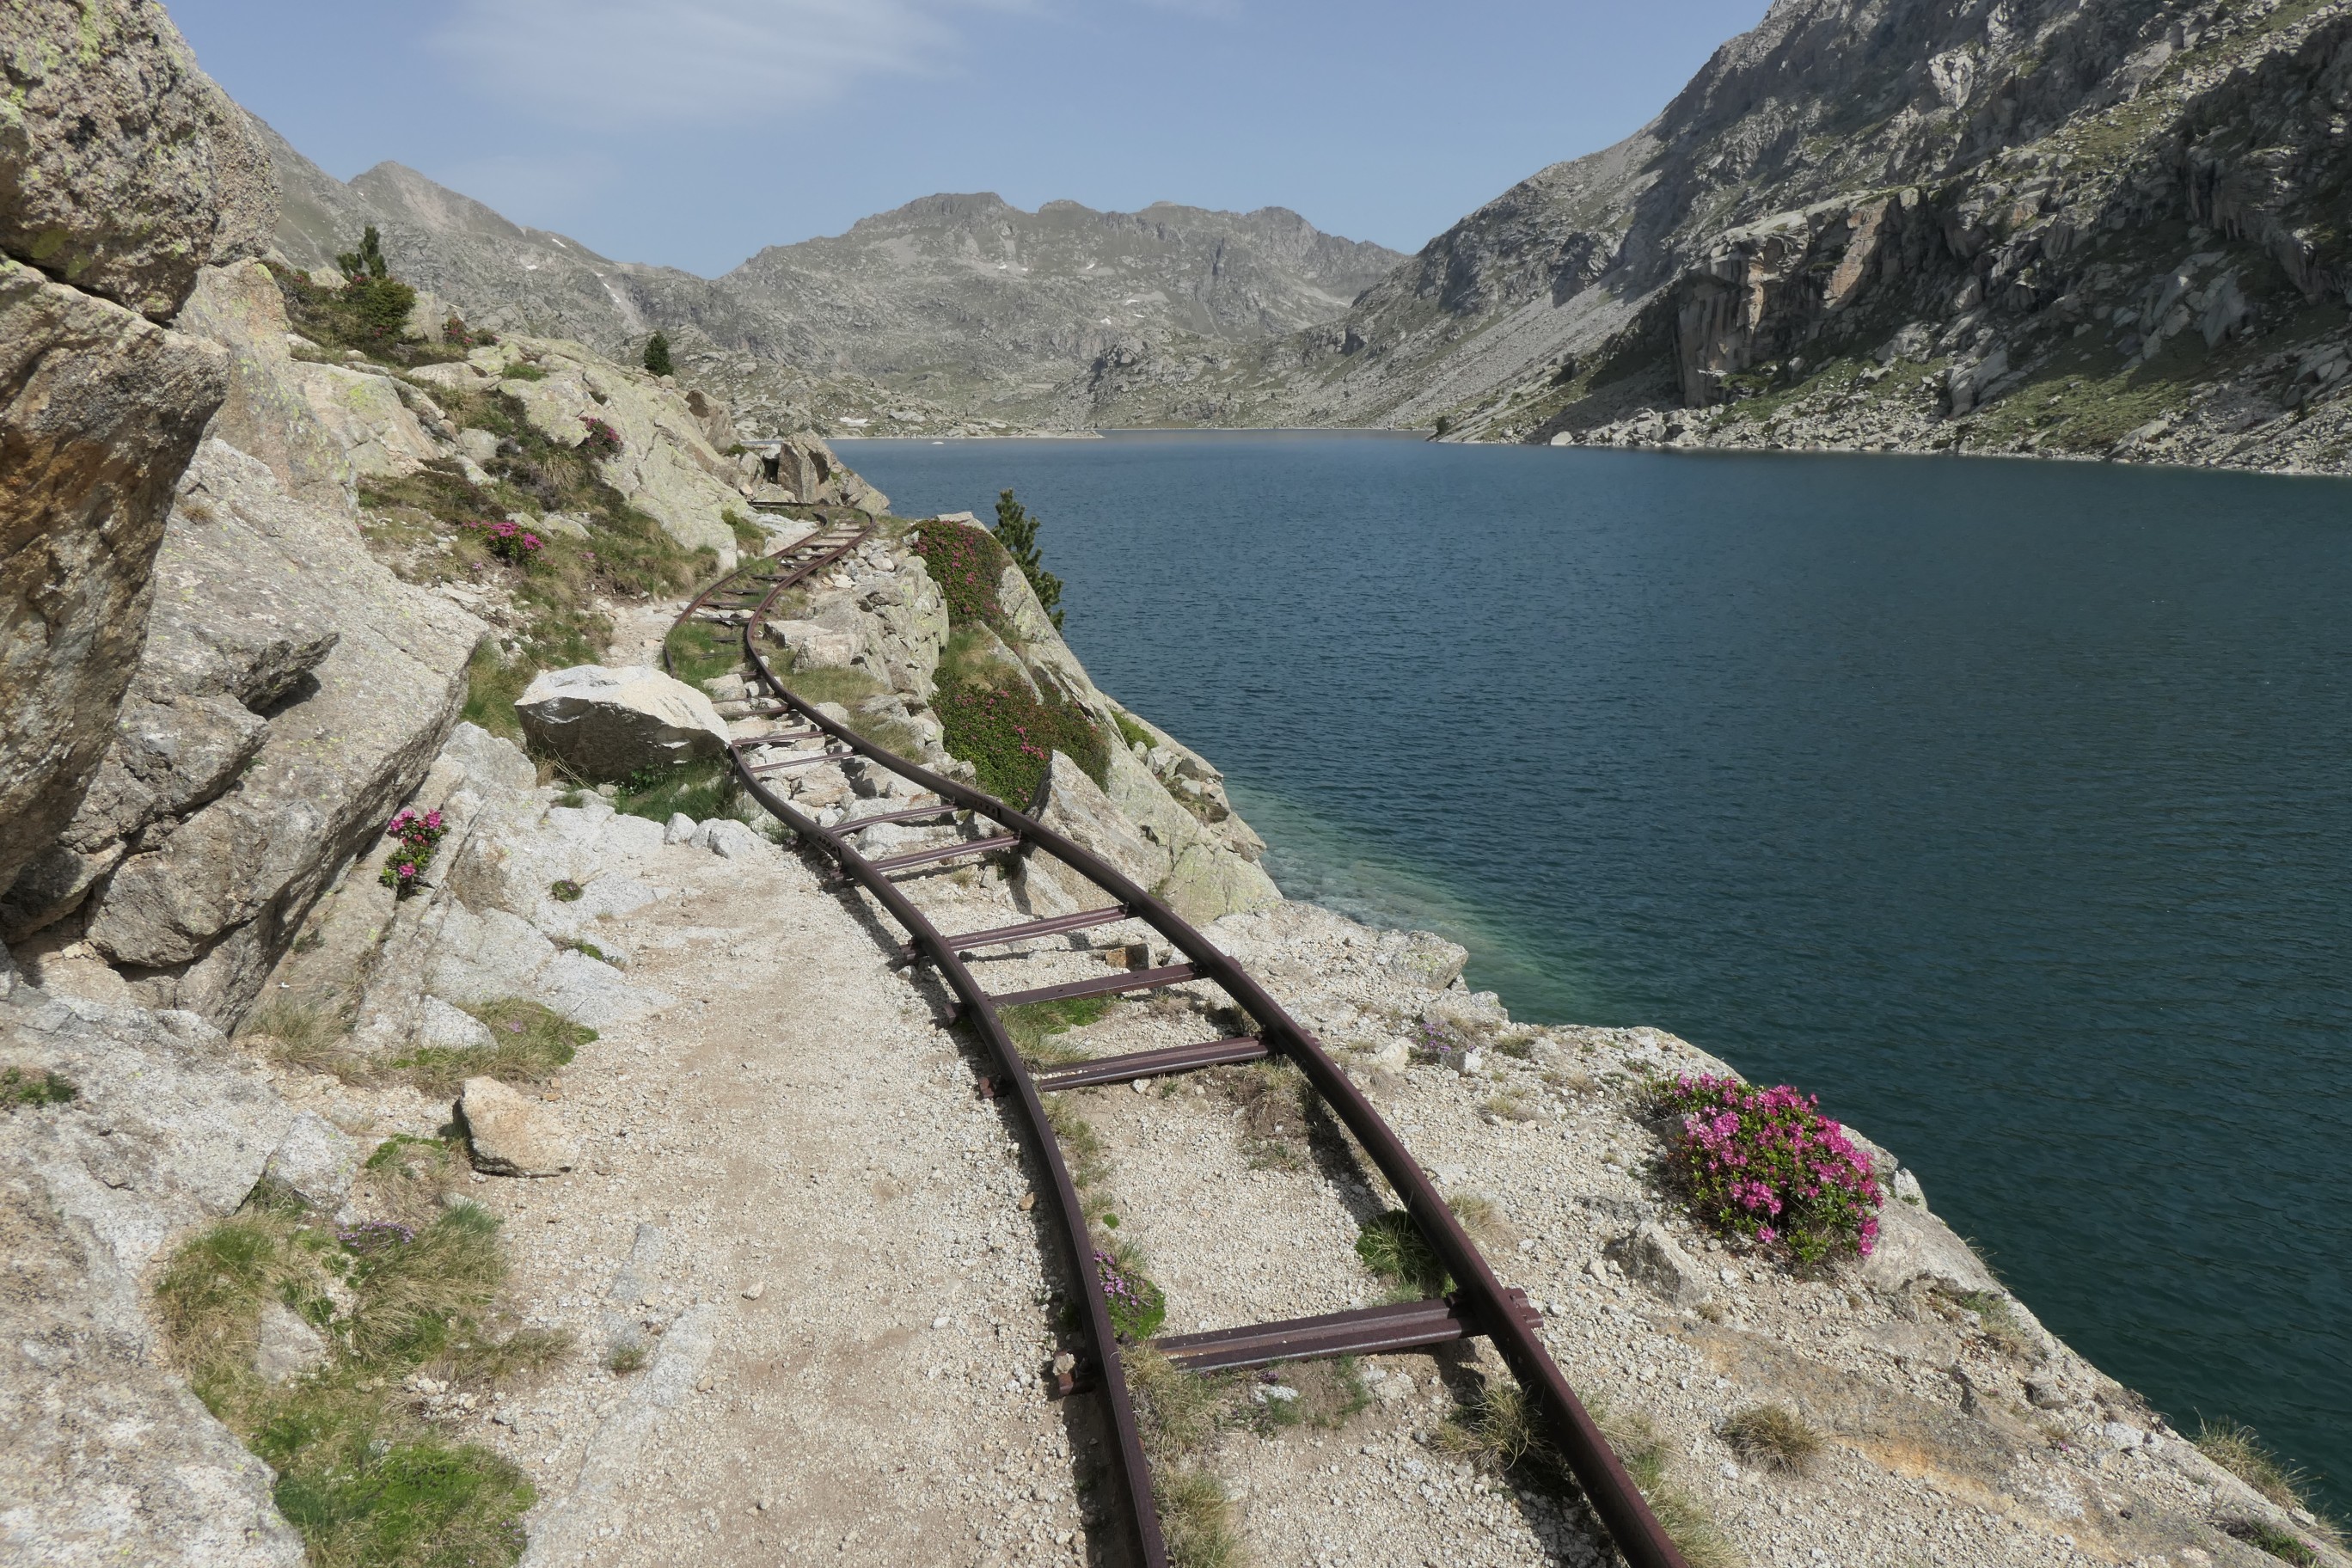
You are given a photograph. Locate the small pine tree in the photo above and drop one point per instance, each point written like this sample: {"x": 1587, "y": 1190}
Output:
{"x": 1016, "y": 530}
{"x": 368, "y": 260}
{"x": 374, "y": 306}
{"x": 657, "y": 355}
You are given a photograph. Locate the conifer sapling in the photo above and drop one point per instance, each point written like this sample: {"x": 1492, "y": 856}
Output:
{"x": 1016, "y": 530}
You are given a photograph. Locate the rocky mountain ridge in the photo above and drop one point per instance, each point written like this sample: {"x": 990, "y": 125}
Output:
{"x": 2102, "y": 228}
{"x": 960, "y": 313}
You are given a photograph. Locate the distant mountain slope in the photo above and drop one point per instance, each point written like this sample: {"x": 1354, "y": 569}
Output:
{"x": 961, "y": 305}
{"x": 1882, "y": 222}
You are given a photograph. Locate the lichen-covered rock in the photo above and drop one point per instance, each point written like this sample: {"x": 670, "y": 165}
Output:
{"x": 316, "y": 1161}
{"x": 1657, "y": 1260}
{"x": 511, "y": 1134}
{"x": 609, "y": 724}
{"x": 99, "y": 410}
{"x": 246, "y": 578}
{"x": 1914, "y": 1246}
{"x": 122, "y": 167}
{"x": 1205, "y": 879}
{"x": 666, "y": 466}
{"x": 104, "y": 1455}
{"x": 267, "y": 414}
{"x": 1076, "y": 809}
{"x": 379, "y": 435}
{"x": 286, "y": 1346}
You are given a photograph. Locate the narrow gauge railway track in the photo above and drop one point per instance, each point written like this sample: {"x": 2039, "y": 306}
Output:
{"x": 1481, "y": 1305}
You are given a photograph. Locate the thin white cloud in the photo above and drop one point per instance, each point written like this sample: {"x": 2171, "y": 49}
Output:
{"x": 713, "y": 61}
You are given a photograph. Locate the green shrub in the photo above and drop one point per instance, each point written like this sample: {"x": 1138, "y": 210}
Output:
{"x": 1016, "y": 530}
{"x": 657, "y": 355}
{"x": 1008, "y": 732}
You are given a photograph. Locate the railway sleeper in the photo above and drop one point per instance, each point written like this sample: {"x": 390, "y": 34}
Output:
{"x": 1101, "y": 985}
{"x": 1158, "y": 1063}
{"x": 1367, "y": 1331}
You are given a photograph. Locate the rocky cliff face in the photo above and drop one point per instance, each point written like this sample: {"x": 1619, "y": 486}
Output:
{"x": 2104, "y": 227}
{"x": 122, "y": 169}
{"x": 943, "y": 315}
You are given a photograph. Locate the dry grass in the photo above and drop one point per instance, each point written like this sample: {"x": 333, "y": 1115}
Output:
{"x": 1272, "y": 1099}
{"x": 305, "y": 1037}
{"x": 1179, "y": 1416}
{"x": 2239, "y": 1449}
{"x": 1684, "y": 1518}
{"x": 1771, "y": 1436}
{"x": 1497, "y": 1429}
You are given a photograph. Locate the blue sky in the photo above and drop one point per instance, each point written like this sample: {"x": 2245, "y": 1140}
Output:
{"x": 693, "y": 133}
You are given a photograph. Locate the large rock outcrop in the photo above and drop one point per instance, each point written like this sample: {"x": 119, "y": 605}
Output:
{"x": 266, "y": 414}
{"x": 100, "y": 409}
{"x": 292, "y": 693}
{"x": 105, "y": 1456}
{"x": 484, "y": 922}
{"x": 122, "y": 170}
{"x": 665, "y": 464}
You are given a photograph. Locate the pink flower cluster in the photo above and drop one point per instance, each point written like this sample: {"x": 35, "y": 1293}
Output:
{"x": 1765, "y": 1164}
{"x": 509, "y": 540}
{"x": 418, "y": 832}
{"x": 602, "y": 441}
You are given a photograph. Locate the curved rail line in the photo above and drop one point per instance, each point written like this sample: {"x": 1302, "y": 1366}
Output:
{"x": 1481, "y": 1304}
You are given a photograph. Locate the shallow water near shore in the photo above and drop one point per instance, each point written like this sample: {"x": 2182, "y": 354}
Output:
{"x": 2006, "y": 806}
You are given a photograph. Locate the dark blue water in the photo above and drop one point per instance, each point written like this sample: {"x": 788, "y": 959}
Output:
{"x": 2006, "y": 806}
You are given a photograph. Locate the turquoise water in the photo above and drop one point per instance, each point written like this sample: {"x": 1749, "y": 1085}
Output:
{"x": 2006, "y": 806}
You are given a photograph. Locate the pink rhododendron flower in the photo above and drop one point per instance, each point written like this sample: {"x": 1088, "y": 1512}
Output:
{"x": 1764, "y": 1163}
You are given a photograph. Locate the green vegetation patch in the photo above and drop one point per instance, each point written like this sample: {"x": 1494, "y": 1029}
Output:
{"x": 703, "y": 650}
{"x": 700, "y": 787}
{"x": 1032, "y": 1024}
{"x": 1008, "y": 731}
{"x": 529, "y": 1044}
{"x": 362, "y": 1477}
{"x": 20, "y": 1088}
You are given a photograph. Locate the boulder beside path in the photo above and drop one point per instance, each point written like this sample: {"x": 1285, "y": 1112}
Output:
{"x": 608, "y": 723}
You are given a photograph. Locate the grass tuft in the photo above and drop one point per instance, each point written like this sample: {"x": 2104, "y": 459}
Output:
{"x": 493, "y": 685}
{"x": 1031, "y": 1024}
{"x": 365, "y": 1481}
{"x": 1179, "y": 1414}
{"x": 528, "y": 1043}
{"x": 19, "y": 1087}
{"x": 2239, "y": 1449}
{"x": 1684, "y": 1518}
{"x": 2283, "y": 1544}
{"x": 1391, "y": 1245}
{"x": 1496, "y": 1429}
{"x": 1272, "y": 1099}
{"x": 702, "y": 788}
{"x": 1771, "y": 1436}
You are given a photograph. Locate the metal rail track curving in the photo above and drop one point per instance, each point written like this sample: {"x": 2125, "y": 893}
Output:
{"x": 1481, "y": 1305}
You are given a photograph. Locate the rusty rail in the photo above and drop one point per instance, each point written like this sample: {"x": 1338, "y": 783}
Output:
{"x": 1481, "y": 1304}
